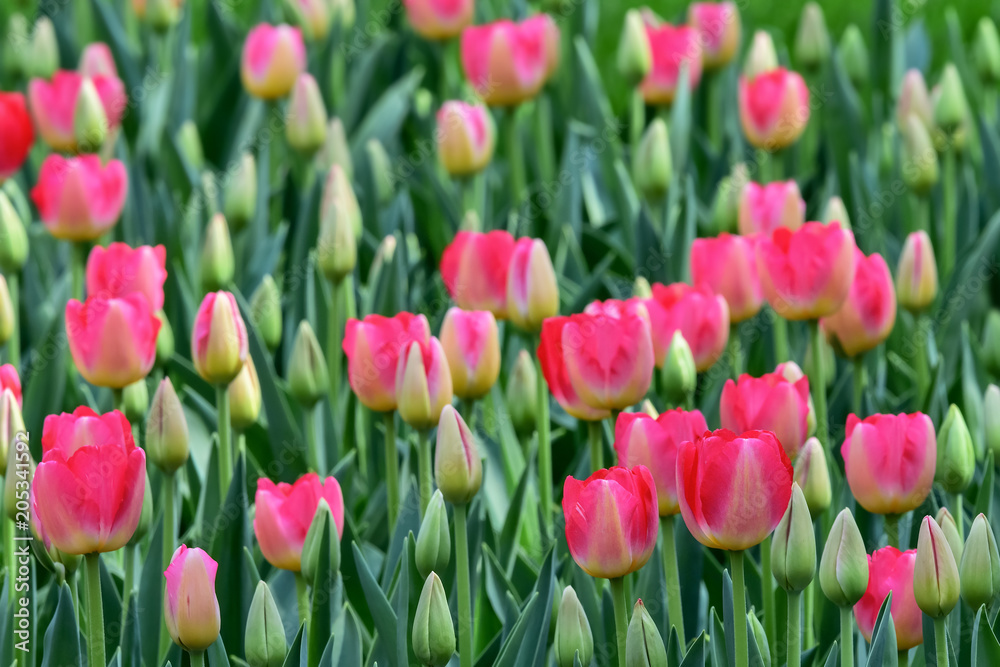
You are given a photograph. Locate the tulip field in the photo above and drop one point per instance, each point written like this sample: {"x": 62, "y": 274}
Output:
{"x": 548, "y": 333}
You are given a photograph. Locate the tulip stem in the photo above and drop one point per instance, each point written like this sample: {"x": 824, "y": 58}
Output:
{"x": 892, "y": 529}
{"x": 78, "y": 258}
{"x": 740, "y": 607}
{"x": 779, "y": 330}
{"x": 672, "y": 577}
{"x": 464, "y": 592}
{"x": 312, "y": 444}
{"x": 818, "y": 382}
{"x": 767, "y": 597}
{"x": 637, "y": 124}
{"x": 794, "y": 657}
{"x": 544, "y": 449}
{"x": 546, "y": 159}
{"x": 515, "y": 158}
{"x": 846, "y": 637}
{"x": 128, "y": 565}
{"x": 621, "y": 616}
{"x": 859, "y": 384}
{"x": 596, "y": 445}
{"x": 391, "y": 469}
{"x": 169, "y": 522}
{"x": 735, "y": 352}
{"x": 302, "y": 598}
{"x": 225, "y": 446}
{"x": 197, "y": 658}
{"x": 14, "y": 344}
{"x": 949, "y": 210}
{"x": 903, "y": 658}
{"x": 425, "y": 470}
{"x": 809, "y": 606}
{"x": 941, "y": 641}
{"x": 333, "y": 351}
{"x": 957, "y": 511}
{"x": 95, "y": 612}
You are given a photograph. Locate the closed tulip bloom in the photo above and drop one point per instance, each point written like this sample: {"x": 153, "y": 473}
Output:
{"x": 935, "y": 574}
{"x": 465, "y": 137}
{"x": 867, "y": 316}
{"x": 307, "y": 371}
{"x": 167, "y": 441}
{"x": 471, "y": 344}
{"x": 88, "y": 489}
{"x": 573, "y": 636}
{"x": 807, "y": 274}
{"x": 889, "y": 461}
{"x": 118, "y": 270}
{"x": 701, "y": 316}
{"x": 245, "y": 397}
{"x": 113, "y": 341}
{"x": 762, "y": 56}
{"x": 507, "y": 63}
{"x": 439, "y": 19}
{"x": 190, "y": 606}
{"x": 458, "y": 470}
{"x": 634, "y": 57}
{"x": 532, "y": 290}
{"x": 843, "y": 568}
{"x": 718, "y": 24}
{"x": 768, "y": 403}
{"x": 733, "y": 489}
{"x": 643, "y": 644}
{"x": 273, "y": 57}
{"x": 521, "y": 394}
{"x": 17, "y": 133}
{"x": 11, "y": 381}
{"x": 285, "y": 512}
{"x": 813, "y": 475}
{"x": 219, "y": 342}
{"x": 432, "y": 551}
{"x": 679, "y": 374}
{"x": 54, "y": 104}
{"x": 339, "y": 201}
{"x": 652, "y": 168}
{"x": 265, "y": 644}
{"x": 892, "y": 571}
{"x": 653, "y": 442}
{"x": 611, "y": 520}
{"x": 916, "y": 273}
{"x": 955, "y": 541}
{"x": 96, "y": 59}
{"x": 423, "y": 383}
{"x": 551, "y": 357}
{"x": 980, "y": 565}
{"x": 433, "y": 633}
{"x": 728, "y": 265}
{"x": 764, "y": 208}
{"x": 78, "y": 198}
{"x": 373, "y": 347}
{"x": 914, "y": 100}
{"x": 305, "y": 120}
{"x": 673, "y": 48}
{"x": 11, "y": 423}
{"x": 956, "y": 453}
{"x": 314, "y": 17}
{"x": 793, "y": 551}
{"x": 774, "y": 108}
{"x": 265, "y": 312}
{"x": 7, "y": 320}
{"x": 812, "y": 39}
{"x": 474, "y": 268}
{"x": 218, "y": 263}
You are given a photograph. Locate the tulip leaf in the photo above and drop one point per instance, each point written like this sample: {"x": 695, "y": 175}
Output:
{"x": 508, "y": 541}
{"x": 229, "y": 537}
{"x": 216, "y": 655}
{"x": 882, "y": 651}
{"x": 294, "y": 656}
{"x": 985, "y": 647}
{"x": 151, "y": 585}
{"x": 984, "y": 499}
{"x": 401, "y": 602}
{"x": 729, "y": 616}
{"x": 385, "y": 117}
{"x": 62, "y": 637}
{"x": 131, "y": 646}
{"x": 382, "y": 614}
{"x": 346, "y": 646}
{"x": 695, "y": 656}
{"x": 717, "y": 643}
{"x": 509, "y": 652}
{"x": 833, "y": 657}
{"x": 680, "y": 122}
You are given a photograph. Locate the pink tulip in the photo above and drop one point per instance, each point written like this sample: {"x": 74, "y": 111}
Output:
{"x": 764, "y": 208}
{"x": 868, "y": 314}
{"x": 611, "y": 520}
{"x": 423, "y": 383}
{"x": 552, "y": 358}
{"x": 53, "y": 104}
{"x": 219, "y": 343}
{"x": 643, "y": 440}
{"x": 88, "y": 489}
{"x": 11, "y": 381}
{"x": 889, "y": 461}
{"x": 465, "y": 137}
{"x": 373, "y": 348}
{"x": 474, "y": 268}
{"x": 118, "y": 270}
{"x": 699, "y": 314}
{"x": 892, "y": 571}
{"x": 733, "y": 489}
{"x": 727, "y": 264}
{"x": 506, "y": 62}
{"x": 439, "y": 19}
{"x": 672, "y": 48}
{"x": 190, "y": 606}
{"x": 806, "y": 274}
{"x": 718, "y": 26}
{"x": 774, "y": 108}
{"x": 285, "y": 511}
{"x": 916, "y": 273}
{"x": 113, "y": 341}
{"x": 273, "y": 58}
{"x": 768, "y": 403}
{"x": 78, "y": 199}
{"x": 532, "y": 288}
{"x": 97, "y": 60}
{"x": 471, "y": 344}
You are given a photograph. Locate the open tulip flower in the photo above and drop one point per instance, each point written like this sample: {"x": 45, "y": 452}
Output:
{"x": 774, "y": 108}
{"x": 673, "y": 48}
{"x": 474, "y": 268}
{"x": 119, "y": 270}
{"x": 768, "y": 403}
{"x": 728, "y": 265}
{"x": 54, "y": 104}
{"x": 15, "y": 127}
{"x": 701, "y": 315}
{"x": 866, "y": 318}
{"x": 552, "y": 357}
{"x": 507, "y": 63}
{"x": 718, "y": 26}
{"x": 113, "y": 341}
{"x": 892, "y": 571}
{"x": 78, "y": 198}
{"x": 439, "y": 19}
{"x": 285, "y": 511}
{"x": 764, "y": 208}
{"x": 373, "y": 347}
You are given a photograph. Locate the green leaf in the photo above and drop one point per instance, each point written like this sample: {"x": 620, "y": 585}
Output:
{"x": 882, "y": 652}
{"x": 984, "y": 499}
{"x": 382, "y": 614}
{"x": 985, "y": 647}
{"x": 151, "y": 583}
{"x": 294, "y": 657}
{"x": 131, "y": 648}
{"x": 321, "y": 605}
{"x": 512, "y": 645}
{"x": 717, "y": 641}
{"x": 62, "y": 637}
{"x": 216, "y": 655}
{"x": 386, "y": 116}
{"x": 695, "y": 656}
{"x": 230, "y": 536}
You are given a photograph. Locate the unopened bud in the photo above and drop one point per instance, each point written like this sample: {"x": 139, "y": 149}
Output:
{"x": 218, "y": 265}
{"x": 853, "y": 56}
{"x": 980, "y": 565}
{"x": 245, "y": 397}
{"x": 956, "y": 456}
{"x": 265, "y": 644}
{"x": 652, "y": 166}
{"x": 189, "y": 142}
{"x": 7, "y": 319}
{"x": 986, "y": 51}
{"x": 574, "y": 638}
{"x": 336, "y": 150}
{"x": 920, "y": 160}
{"x": 836, "y": 211}
{"x": 13, "y": 238}
{"x": 90, "y": 122}
{"x": 793, "y": 549}
{"x": 950, "y": 529}
{"x": 843, "y": 569}
{"x": 679, "y": 372}
{"x": 306, "y": 120}
{"x": 936, "y": 586}
{"x": 166, "y": 429}
{"x": 949, "y": 103}
{"x": 991, "y": 342}
{"x": 323, "y": 524}
{"x": 265, "y": 312}
{"x": 307, "y": 371}
{"x": 135, "y": 399}
{"x": 433, "y": 548}
{"x": 991, "y": 420}
{"x": 643, "y": 644}
{"x": 381, "y": 167}
{"x": 812, "y": 40}
{"x": 145, "y": 517}
{"x": 433, "y": 632}
{"x": 42, "y": 57}
{"x": 762, "y": 56}
{"x": 458, "y": 470}
{"x": 239, "y": 201}
{"x": 164, "y": 340}
{"x": 635, "y": 57}
{"x": 522, "y": 392}
{"x": 813, "y": 475}
{"x": 916, "y": 273}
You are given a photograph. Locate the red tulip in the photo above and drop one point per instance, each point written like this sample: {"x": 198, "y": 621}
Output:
{"x": 219, "y": 344}
{"x": 16, "y": 134}
{"x": 868, "y": 314}
{"x": 774, "y": 108}
{"x": 439, "y": 19}
{"x": 373, "y": 347}
{"x": 88, "y": 489}
{"x": 764, "y": 208}
{"x": 472, "y": 346}
{"x": 119, "y": 270}
{"x": 474, "y": 268}
{"x": 190, "y": 606}
{"x": 643, "y": 440}
{"x": 507, "y": 62}
{"x": 733, "y": 489}
{"x": 892, "y": 571}
{"x": 699, "y": 314}
{"x": 768, "y": 403}
{"x": 611, "y": 520}
{"x": 889, "y": 461}
{"x": 284, "y": 513}
{"x": 728, "y": 265}
{"x": 273, "y": 57}
{"x": 79, "y": 199}
{"x": 10, "y": 380}
{"x": 53, "y": 104}
{"x": 113, "y": 341}
{"x": 552, "y": 359}
{"x": 806, "y": 274}
{"x": 672, "y": 48}
{"x": 718, "y": 26}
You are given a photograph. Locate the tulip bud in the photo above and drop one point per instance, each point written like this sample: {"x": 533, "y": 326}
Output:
{"x": 458, "y": 470}
{"x": 986, "y": 51}
{"x": 980, "y": 565}
{"x": 916, "y": 273}
{"x": 920, "y": 159}
{"x": 245, "y": 397}
{"x": 305, "y": 126}
{"x": 307, "y": 371}
{"x": 812, "y": 40}
{"x": 423, "y": 383}
{"x": 42, "y": 58}
{"x": 336, "y": 150}
{"x": 90, "y": 122}
{"x": 265, "y": 312}
{"x": 853, "y": 56}
{"x": 813, "y": 476}
{"x": 955, "y": 541}
{"x": 641, "y": 288}
{"x": 162, "y": 14}
{"x": 340, "y": 201}
{"x": 522, "y": 392}
{"x": 793, "y": 549}
{"x": 762, "y": 56}
{"x": 190, "y": 607}
{"x": 635, "y": 57}
{"x": 643, "y": 644}
{"x": 13, "y": 47}
{"x": 836, "y": 211}
{"x": 146, "y": 517}
{"x": 13, "y": 238}
{"x": 653, "y": 168}
{"x": 843, "y": 568}
{"x": 135, "y": 398}
{"x": 166, "y": 429}
{"x": 471, "y": 344}
{"x": 827, "y": 357}
{"x": 991, "y": 342}
{"x": 532, "y": 289}
{"x": 760, "y": 637}
{"x": 573, "y": 635}
{"x": 679, "y": 373}
{"x": 164, "y": 340}
{"x": 465, "y": 138}
{"x": 239, "y": 200}
{"x": 935, "y": 575}
{"x": 433, "y": 549}
{"x": 7, "y": 320}
{"x": 219, "y": 346}
{"x": 914, "y": 100}
{"x": 956, "y": 456}
{"x": 218, "y": 266}
{"x": 950, "y": 105}
{"x": 726, "y": 204}
{"x": 470, "y": 222}
{"x": 265, "y": 644}
{"x": 189, "y": 142}
{"x": 322, "y": 524}
{"x": 433, "y": 631}
{"x": 381, "y": 167}
{"x": 337, "y": 247}
{"x": 991, "y": 420}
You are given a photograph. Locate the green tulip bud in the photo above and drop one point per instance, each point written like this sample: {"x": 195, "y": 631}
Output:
{"x": 843, "y": 568}
{"x": 920, "y": 161}
{"x": 836, "y": 211}
{"x": 573, "y": 635}
{"x": 135, "y": 400}
{"x": 812, "y": 40}
{"x": 164, "y": 340}
{"x": 936, "y": 585}
{"x": 458, "y": 469}
{"x": 643, "y": 644}
{"x": 239, "y": 199}
{"x": 726, "y": 203}
{"x": 337, "y": 246}
{"x": 950, "y": 105}
{"x": 679, "y": 372}
{"x": 762, "y": 56}
{"x": 760, "y": 636}
{"x": 338, "y": 194}
{"x": 956, "y": 455}
{"x": 433, "y": 549}
{"x": 42, "y": 58}
{"x": 343, "y": 13}
{"x": 635, "y": 57}
{"x": 813, "y": 476}
{"x": 853, "y": 56}
{"x": 322, "y": 523}
{"x": 90, "y": 123}
{"x": 265, "y": 644}
{"x": 641, "y": 288}
{"x": 381, "y": 167}
{"x": 653, "y": 168}
{"x": 991, "y": 342}
{"x": 167, "y": 429}
{"x": 307, "y": 371}
{"x": 265, "y": 312}
{"x": 648, "y": 408}
{"x": 336, "y": 150}
{"x": 991, "y": 420}
{"x": 793, "y": 547}
{"x": 245, "y": 397}
{"x": 218, "y": 266}
{"x": 433, "y": 633}
{"x": 13, "y": 238}
{"x": 162, "y": 14}
{"x": 145, "y": 517}
{"x": 948, "y": 526}
{"x": 980, "y": 565}
{"x": 471, "y": 222}
{"x": 986, "y": 51}
{"x": 14, "y": 47}
{"x": 7, "y": 319}
{"x": 305, "y": 127}
{"x": 189, "y": 142}
{"x": 423, "y": 103}
{"x": 522, "y": 392}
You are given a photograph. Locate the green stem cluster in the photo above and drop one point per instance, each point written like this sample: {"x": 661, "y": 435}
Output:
{"x": 465, "y": 648}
